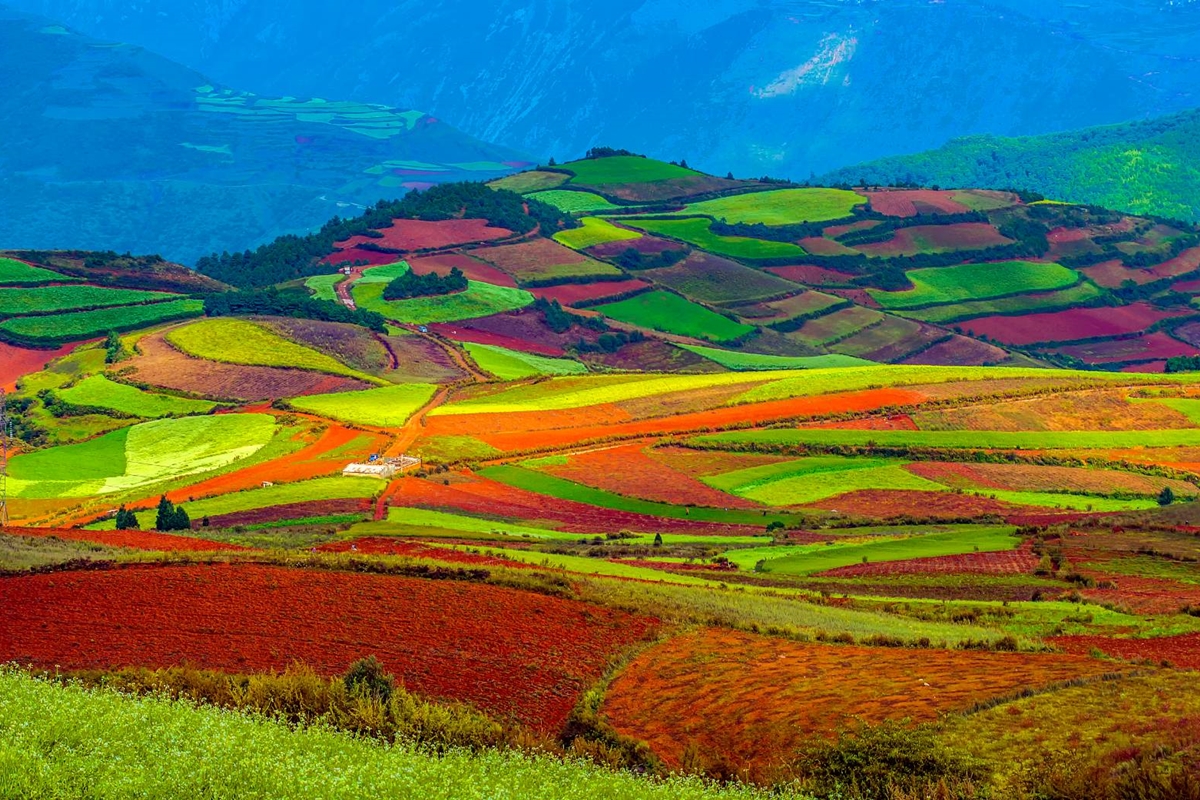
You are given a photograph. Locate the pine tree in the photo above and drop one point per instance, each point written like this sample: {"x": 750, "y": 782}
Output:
{"x": 126, "y": 520}
{"x": 165, "y": 516}
{"x": 1166, "y": 496}
{"x": 180, "y": 520}
{"x": 658, "y": 540}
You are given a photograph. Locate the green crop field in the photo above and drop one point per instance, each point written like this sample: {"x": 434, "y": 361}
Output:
{"x": 531, "y": 181}
{"x": 511, "y": 365}
{"x": 237, "y": 341}
{"x": 426, "y": 518}
{"x": 101, "y": 392}
{"x": 13, "y": 271}
{"x": 48, "y": 299}
{"x": 573, "y": 202}
{"x": 143, "y": 455}
{"x": 624, "y": 169}
{"x": 755, "y": 361}
{"x": 1028, "y": 303}
{"x": 808, "y": 480}
{"x": 837, "y": 326}
{"x": 118, "y": 746}
{"x": 478, "y": 300}
{"x": 321, "y": 286}
{"x": 695, "y": 231}
{"x": 962, "y": 440}
{"x": 781, "y": 206}
{"x": 386, "y": 407}
{"x": 1070, "y": 501}
{"x": 938, "y": 285}
{"x": 968, "y": 540}
{"x": 541, "y": 483}
{"x": 664, "y": 311}
{"x": 69, "y": 327}
{"x": 594, "y": 231}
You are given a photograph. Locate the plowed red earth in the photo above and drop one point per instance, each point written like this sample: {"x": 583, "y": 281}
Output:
{"x": 17, "y": 362}
{"x": 811, "y": 275}
{"x": 905, "y": 203}
{"x": 311, "y": 508}
{"x": 1142, "y": 595}
{"x": 571, "y": 293}
{"x": 134, "y": 540}
{"x": 769, "y": 694}
{"x": 386, "y": 546}
{"x": 900, "y": 422}
{"x": 460, "y": 333}
{"x": 474, "y": 270}
{"x": 1065, "y": 326}
{"x": 1021, "y": 561}
{"x": 484, "y": 497}
{"x": 1182, "y": 651}
{"x": 351, "y": 254}
{"x": 886, "y": 503}
{"x": 511, "y": 653}
{"x": 1151, "y": 347}
{"x": 419, "y": 234}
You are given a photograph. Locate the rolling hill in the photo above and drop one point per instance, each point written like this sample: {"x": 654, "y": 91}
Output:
{"x": 1148, "y": 167}
{"x": 111, "y": 147}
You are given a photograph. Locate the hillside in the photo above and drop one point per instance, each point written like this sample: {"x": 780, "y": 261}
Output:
{"x": 110, "y": 147}
{"x": 778, "y": 87}
{"x": 1139, "y": 167}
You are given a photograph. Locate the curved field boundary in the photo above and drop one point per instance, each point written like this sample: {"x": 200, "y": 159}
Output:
{"x": 970, "y": 282}
{"x": 38, "y": 300}
{"x": 133, "y": 540}
{"x": 15, "y": 273}
{"x": 386, "y": 407}
{"x": 956, "y": 440}
{"x": 56, "y": 329}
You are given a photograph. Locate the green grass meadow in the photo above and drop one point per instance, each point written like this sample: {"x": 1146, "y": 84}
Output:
{"x": 510, "y": 365}
{"x": 17, "y": 272}
{"x": 696, "y": 231}
{"x": 594, "y": 231}
{"x": 939, "y": 285}
{"x": 101, "y": 392}
{"x": 385, "y": 407}
{"x": 670, "y": 313}
{"x": 781, "y": 206}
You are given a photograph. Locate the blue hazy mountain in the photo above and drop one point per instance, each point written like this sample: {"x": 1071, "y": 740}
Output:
{"x": 109, "y": 146}
{"x": 785, "y": 87}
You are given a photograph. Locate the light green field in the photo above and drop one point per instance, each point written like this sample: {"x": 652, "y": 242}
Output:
{"x": 64, "y": 741}
{"x": 938, "y": 285}
{"x": 386, "y": 407}
{"x": 101, "y": 392}
{"x": 732, "y": 359}
{"x": 695, "y": 231}
{"x": 573, "y": 202}
{"x": 237, "y": 341}
{"x": 511, "y": 365}
{"x": 1020, "y": 304}
{"x": 321, "y": 286}
{"x": 477, "y": 300}
{"x": 143, "y": 455}
{"x": 1070, "y": 501}
{"x": 960, "y": 440}
{"x": 670, "y": 313}
{"x": 424, "y": 518}
{"x": 808, "y": 480}
{"x": 781, "y": 206}
{"x": 531, "y": 181}
{"x": 67, "y": 327}
{"x": 624, "y": 169}
{"x": 13, "y": 271}
{"x": 280, "y": 494}
{"x": 968, "y": 540}
{"x": 47, "y": 299}
{"x": 594, "y": 231}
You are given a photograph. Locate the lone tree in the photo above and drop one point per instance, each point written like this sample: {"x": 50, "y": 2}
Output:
{"x": 366, "y": 677}
{"x": 1166, "y": 496}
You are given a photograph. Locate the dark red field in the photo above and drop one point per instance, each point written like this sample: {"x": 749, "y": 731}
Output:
{"x": 1021, "y": 561}
{"x": 418, "y": 234}
{"x": 511, "y": 653}
{"x": 1181, "y": 651}
{"x": 461, "y": 333}
{"x": 910, "y": 202}
{"x": 1069, "y": 325}
{"x": 388, "y": 546}
{"x": 351, "y": 254}
{"x": 811, "y": 275}
{"x": 291, "y": 511}
{"x": 134, "y": 540}
{"x": 16, "y": 362}
{"x": 1150, "y": 347}
{"x": 473, "y": 269}
{"x": 570, "y": 293}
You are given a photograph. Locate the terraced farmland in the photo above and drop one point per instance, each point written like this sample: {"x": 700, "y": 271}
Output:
{"x": 696, "y": 231}
{"x": 977, "y": 281}
{"x": 781, "y": 206}
{"x": 664, "y": 311}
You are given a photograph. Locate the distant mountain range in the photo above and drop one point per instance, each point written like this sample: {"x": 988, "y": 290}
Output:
{"x": 779, "y": 87}
{"x": 111, "y": 147}
{"x": 1141, "y": 167}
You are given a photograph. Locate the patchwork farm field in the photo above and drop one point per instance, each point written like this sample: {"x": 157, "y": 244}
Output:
{"x": 767, "y": 515}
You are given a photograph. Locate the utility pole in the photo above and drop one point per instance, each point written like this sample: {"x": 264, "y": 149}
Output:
{"x": 4, "y": 429}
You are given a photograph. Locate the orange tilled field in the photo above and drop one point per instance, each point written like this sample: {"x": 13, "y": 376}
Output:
{"x": 755, "y": 698}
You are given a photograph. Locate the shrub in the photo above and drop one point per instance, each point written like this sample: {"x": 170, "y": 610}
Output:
{"x": 366, "y": 677}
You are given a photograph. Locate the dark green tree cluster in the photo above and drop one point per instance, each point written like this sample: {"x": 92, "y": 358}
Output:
{"x": 114, "y": 348}
{"x": 632, "y": 258}
{"x": 410, "y": 284}
{"x": 290, "y": 257}
{"x": 1183, "y": 364}
{"x": 609, "y": 152}
{"x": 287, "y": 304}
{"x": 171, "y": 517}
{"x": 127, "y": 520}
{"x": 609, "y": 342}
{"x": 559, "y": 320}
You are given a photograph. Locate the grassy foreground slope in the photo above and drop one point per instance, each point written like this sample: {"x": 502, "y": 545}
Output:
{"x": 107, "y": 745}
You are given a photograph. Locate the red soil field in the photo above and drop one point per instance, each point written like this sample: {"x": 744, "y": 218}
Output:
{"x": 387, "y": 546}
{"x": 627, "y": 470}
{"x": 959, "y": 351}
{"x": 887, "y": 503}
{"x": 1064, "y": 235}
{"x": 159, "y": 364}
{"x": 1151, "y": 347}
{"x": 1182, "y": 651}
{"x": 1021, "y": 561}
{"x": 907, "y": 202}
{"x": 834, "y": 231}
{"x": 511, "y": 653}
{"x": 1190, "y": 287}
{"x": 352, "y": 254}
{"x": 647, "y": 245}
{"x": 935, "y": 238}
{"x": 134, "y": 540}
{"x": 860, "y": 296}
{"x": 474, "y": 270}
{"x": 418, "y": 234}
{"x": 17, "y": 362}
{"x": 1187, "y": 261}
{"x": 820, "y": 246}
{"x": 811, "y": 275}
{"x": 1146, "y": 367}
{"x": 480, "y": 496}
{"x": 1111, "y": 274}
{"x": 461, "y": 333}
{"x": 570, "y": 293}
{"x": 531, "y": 258}
{"x": 1066, "y": 326}
{"x": 771, "y": 694}
{"x": 311, "y": 508}
{"x": 899, "y": 422}
{"x": 525, "y": 325}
